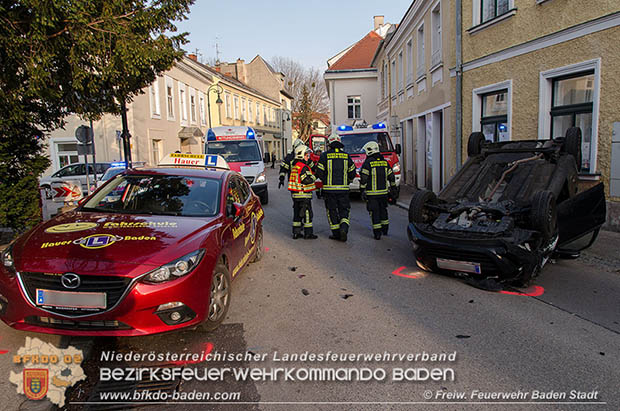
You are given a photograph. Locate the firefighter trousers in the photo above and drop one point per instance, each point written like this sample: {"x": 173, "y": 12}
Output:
{"x": 338, "y": 206}
{"x": 377, "y": 207}
{"x": 302, "y": 215}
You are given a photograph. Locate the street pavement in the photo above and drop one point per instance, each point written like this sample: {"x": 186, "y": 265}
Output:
{"x": 322, "y": 295}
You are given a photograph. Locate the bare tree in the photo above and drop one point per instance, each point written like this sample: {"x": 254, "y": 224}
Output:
{"x": 296, "y": 77}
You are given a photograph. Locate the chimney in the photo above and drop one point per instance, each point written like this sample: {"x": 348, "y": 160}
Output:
{"x": 193, "y": 57}
{"x": 378, "y": 21}
{"x": 240, "y": 71}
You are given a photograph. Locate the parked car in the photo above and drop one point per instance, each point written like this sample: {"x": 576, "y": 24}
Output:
{"x": 151, "y": 251}
{"x": 75, "y": 171}
{"x": 115, "y": 169}
{"x": 506, "y": 212}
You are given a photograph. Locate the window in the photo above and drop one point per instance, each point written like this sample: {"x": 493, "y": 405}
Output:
{"x": 494, "y": 120}
{"x": 157, "y": 149}
{"x": 192, "y": 105}
{"x": 154, "y": 99}
{"x": 400, "y": 72}
{"x": 410, "y": 61}
{"x": 489, "y": 9}
{"x": 421, "y": 61}
{"x": 250, "y": 111}
{"x": 385, "y": 80}
{"x": 228, "y": 109}
{"x": 236, "y": 105}
{"x": 393, "y": 75}
{"x": 201, "y": 107}
{"x": 257, "y": 113}
{"x": 264, "y": 114}
{"x": 354, "y": 107}
{"x": 436, "y": 57}
{"x": 66, "y": 154}
{"x": 183, "y": 102}
{"x": 571, "y": 106}
{"x": 169, "y": 99}
{"x": 243, "y": 109}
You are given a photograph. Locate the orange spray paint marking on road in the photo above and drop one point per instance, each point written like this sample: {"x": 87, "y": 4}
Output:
{"x": 533, "y": 291}
{"x": 416, "y": 274}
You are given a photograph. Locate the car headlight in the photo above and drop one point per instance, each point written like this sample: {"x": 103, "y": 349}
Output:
{"x": 175, "y": 269}
{"x": 261, "y": 178}
{"x": 7, "y": 259}
{"x": 396, "y": 168}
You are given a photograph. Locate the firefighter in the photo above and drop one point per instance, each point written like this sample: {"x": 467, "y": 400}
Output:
{"x": 377, "y": 182}
{"x": 285, "y": 167}
{"x": 301, "y": 185}
{"x": 336, "y": 170}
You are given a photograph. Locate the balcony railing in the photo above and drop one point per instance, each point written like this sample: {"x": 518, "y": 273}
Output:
{"x": 409, "y": 78}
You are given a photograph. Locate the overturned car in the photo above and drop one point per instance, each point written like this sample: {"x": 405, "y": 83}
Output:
{"x": 511, "y": 207}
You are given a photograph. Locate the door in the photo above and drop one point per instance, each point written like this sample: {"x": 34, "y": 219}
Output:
{"x": 580, "y": 218}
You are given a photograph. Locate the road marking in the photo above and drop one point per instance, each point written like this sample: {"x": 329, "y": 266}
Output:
{"x": 533, "y": 291}
{"x": 415, "y": 274}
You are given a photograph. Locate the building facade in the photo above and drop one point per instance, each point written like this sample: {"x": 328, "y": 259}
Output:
{"x": 351, "y": 80}
{"x": 531, "y": 70}
{"x": 173, "y": 114}
{"x": 416, "y": 92}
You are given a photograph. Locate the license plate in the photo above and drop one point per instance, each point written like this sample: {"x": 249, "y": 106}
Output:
{"x": 70, "y": 299}
{"x": 454, "y": 265}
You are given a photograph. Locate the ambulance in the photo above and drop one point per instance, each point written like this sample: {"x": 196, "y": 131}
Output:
{"x": 241, "y": 148}
{"x": 354, "y": 140}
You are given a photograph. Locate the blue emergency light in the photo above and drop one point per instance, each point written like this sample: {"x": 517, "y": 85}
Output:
{"x": 211, "y": 135}
{"x": 502, "y": 128}
{"x": 118, "y": 164}
{"x": 344, "y": 127}
{"x": 378, "y": 125}
{"x": 250, "y": 134}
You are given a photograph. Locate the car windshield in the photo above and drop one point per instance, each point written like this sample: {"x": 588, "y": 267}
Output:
{"x": 353, "y": 143}
{"x": 111, "y": 172}
{"x": 235, "y": 151}
{"x": 158, "y": 195}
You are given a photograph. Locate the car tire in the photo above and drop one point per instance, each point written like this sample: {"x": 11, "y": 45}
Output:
{"x": 264, "y": 198}
{"x": 417, "y": 205}
{"x": 572, "y": 144}
{"x": 543, "y": 216}
{"x": 260, "y": 248}
{"x": 474, "y": 143}
{"x": 218, "y": 304}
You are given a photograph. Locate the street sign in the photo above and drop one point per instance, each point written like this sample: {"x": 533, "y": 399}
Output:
{"x": 84, "y": 134}
{"x": 83, "y": 149}
{"x": 66, "y": 191}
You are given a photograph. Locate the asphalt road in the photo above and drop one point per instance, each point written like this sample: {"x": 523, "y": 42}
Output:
{"x": 322, "y": 295}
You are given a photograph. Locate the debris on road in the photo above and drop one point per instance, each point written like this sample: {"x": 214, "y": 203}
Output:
{"x": 463, "y": 336}
{"x": 305, "y": 292}
{"x": 292, "y": 268}
{"x": 345, "y": 296}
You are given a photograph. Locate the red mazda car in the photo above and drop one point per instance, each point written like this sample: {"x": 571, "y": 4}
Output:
{"x": 152, "y": 250}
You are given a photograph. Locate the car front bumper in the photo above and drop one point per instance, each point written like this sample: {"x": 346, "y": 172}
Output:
{"x": 479, "y": 259}
{"x": 259, "y": 188}
{"x": 136, "y": 313}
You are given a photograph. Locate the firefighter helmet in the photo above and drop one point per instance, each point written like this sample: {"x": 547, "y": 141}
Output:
{"x": 333, "y": 137}
{"x": 371, "y": 148}
{"x": 296, "y": 144}
{"x": 300, "y": 151}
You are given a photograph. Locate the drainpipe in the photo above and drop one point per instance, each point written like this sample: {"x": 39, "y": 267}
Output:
{"x": 459, "y": 86}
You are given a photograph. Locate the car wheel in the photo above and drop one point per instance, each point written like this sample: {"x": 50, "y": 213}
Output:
{"x": 219, "y": 297}
{"x": 572, "y": 144}
{"x": 264, "y": 198}
{"x": 418, "y": 212}
{"x": 543, "y": 215}
{"x": 260, "y": 249}
{"x": 474, "y": 144}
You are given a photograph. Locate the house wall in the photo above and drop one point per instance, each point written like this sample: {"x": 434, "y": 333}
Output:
{"x": 366, "y": 87}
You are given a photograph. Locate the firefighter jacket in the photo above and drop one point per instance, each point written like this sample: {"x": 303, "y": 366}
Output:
{"x": 335, "y": 169}
{"x": 287, "y": 164}
{"x": 376, "y": 176}
{"x": 301, "y": 180}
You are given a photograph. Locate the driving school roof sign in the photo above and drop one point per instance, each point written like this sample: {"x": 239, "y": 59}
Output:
{"x": 194, "y": 160}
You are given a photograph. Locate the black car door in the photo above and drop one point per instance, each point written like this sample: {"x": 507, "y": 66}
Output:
{"x": 580, "y": 218}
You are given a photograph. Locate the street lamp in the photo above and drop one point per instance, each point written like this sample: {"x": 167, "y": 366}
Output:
{"x": 218, "y": 90}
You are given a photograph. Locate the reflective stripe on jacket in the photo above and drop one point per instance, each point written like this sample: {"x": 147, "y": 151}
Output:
{"x": 376, "y": 176}
{"x": 336, "y": 170}
{"x": 301, "y": 179}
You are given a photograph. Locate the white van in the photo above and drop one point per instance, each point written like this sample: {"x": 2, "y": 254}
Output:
{"x": 243, "y": 152}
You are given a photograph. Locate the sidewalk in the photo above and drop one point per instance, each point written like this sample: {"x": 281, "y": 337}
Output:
{"x": 604, "y": 252}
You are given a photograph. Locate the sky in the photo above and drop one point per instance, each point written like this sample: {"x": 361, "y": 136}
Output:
{"x": 309, "y": 32}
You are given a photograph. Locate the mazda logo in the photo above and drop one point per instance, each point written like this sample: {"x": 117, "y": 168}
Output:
{"x": 70, "y": 280}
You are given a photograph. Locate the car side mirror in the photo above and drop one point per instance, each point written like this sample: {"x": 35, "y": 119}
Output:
{"x": 398, "y": 149}
{"x": 234, "y": 210}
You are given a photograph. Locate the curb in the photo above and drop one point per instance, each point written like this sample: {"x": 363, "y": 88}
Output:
{"x": 402, "y": 205}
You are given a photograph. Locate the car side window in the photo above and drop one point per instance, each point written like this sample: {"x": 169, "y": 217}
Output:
{"x": 101, "y": 168}
{"x": 69, "y": 171}
{"x": 244, "y": 189}
{"x": 234, "y": 193}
